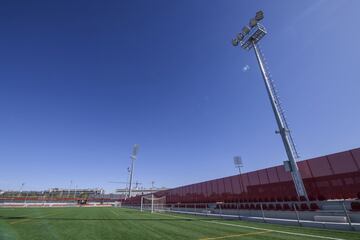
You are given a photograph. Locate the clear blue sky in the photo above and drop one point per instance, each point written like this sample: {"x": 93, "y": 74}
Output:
{"x": 82, "y": 81}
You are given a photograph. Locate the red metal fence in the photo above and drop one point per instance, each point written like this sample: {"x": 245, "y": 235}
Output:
{"x": 335, "y": 176}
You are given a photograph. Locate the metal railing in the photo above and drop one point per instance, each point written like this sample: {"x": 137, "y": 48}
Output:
{"x": 324, "y": 214}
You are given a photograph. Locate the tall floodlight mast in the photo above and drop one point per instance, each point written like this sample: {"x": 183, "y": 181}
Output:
{"x": 248, "y": 39}
{"x": 238, "y": 163}
{"x": 133, "y": 158}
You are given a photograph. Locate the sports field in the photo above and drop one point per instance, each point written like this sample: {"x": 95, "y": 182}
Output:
{"x": 118, "y": 223}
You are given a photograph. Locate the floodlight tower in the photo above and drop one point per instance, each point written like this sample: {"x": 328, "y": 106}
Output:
{"x": 238, "y": 163}
{"x": 133, "y": 158}
{"x": 152, "y": 185}
{"x": 248, "y": 39}
{"x": 21, "y": 188}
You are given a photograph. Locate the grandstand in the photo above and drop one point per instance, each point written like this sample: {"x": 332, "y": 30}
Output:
{"x": 55, "y": 192}
{"x": 332, "y": 182}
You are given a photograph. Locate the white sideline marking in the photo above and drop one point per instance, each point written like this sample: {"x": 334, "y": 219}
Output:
{"x": 235, "y": 235}
{"x": 277, "y": 231}
{"x": 262, "y": 229}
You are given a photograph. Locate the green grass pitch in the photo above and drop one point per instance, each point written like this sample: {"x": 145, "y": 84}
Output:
{"x": 120, "y": 223}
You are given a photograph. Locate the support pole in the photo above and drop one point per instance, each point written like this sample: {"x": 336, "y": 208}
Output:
{"x": 297, "y": 214}
{"x": 284, "y": 132}
{"x": 44, "y": 199}
{"x": 242, "y": 183}
{"x": 152, "y": 203}
{"x": 220, "y": 210}
{"x": 141, "y": 204}
{"x": 133, "y": 158}
{"x": 262, "y": 212}
{"x": 27, "y": 193}
{"x": 75, "y": 192}
{"x": 238, "y": 209}
{"x": 131, "y": 175}
{"x": 347, "y": 215}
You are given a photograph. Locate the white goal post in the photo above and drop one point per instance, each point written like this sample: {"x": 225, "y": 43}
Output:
{"x": 152, "y": 203}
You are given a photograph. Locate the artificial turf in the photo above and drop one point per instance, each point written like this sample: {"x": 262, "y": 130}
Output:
{"x": 120, "y": 223}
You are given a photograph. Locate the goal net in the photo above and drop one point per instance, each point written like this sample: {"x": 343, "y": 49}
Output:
{"x": 152, "y": 203}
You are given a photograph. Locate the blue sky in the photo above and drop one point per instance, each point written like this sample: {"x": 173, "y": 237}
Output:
{"x": 82, "y": 81}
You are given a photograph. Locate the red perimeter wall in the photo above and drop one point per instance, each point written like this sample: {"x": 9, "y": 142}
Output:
{"x": 334, "y": 176}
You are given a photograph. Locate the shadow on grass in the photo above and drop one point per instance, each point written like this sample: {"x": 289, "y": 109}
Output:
{"x": 13, "y": 218}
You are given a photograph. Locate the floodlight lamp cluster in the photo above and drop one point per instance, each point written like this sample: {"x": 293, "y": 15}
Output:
{"x": 135, "y": 151}
{"x": 243, "y": 36}
{"x": 238, "y": 161}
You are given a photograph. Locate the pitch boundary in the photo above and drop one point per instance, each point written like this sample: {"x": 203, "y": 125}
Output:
{"x": 235, "y": 235}
{"x": 261, "y": 229}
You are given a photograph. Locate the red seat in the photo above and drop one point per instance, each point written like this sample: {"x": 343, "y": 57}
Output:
{"x": 321, "y": 198}
{"x": 311, "y": 198}
{"x": 286, "y": 207}
{"x": 355, "y": 206}
{"x": 304, "y": 207}
{"x": 314, "y": 206}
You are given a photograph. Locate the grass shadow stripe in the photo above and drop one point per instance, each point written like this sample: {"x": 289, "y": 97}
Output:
{"x": 37, "y": 218}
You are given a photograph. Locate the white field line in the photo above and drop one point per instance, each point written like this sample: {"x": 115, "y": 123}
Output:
{"x": 234, "y": 235}
{"x": 262, "y": 229}
{"x": 117, "y": 214}
{"x": 276, "y": 231}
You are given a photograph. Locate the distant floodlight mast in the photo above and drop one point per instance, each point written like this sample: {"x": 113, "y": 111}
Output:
{"x": 252, "y": 35}
{"x": 133, "y": 157}
{"x": 238, "y": 163}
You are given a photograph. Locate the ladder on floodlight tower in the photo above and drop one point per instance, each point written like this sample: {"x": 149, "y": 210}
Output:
{"x": 278, "y": 103}
{"x": 290, "y": 165}
{"x": 247, "y": 39}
